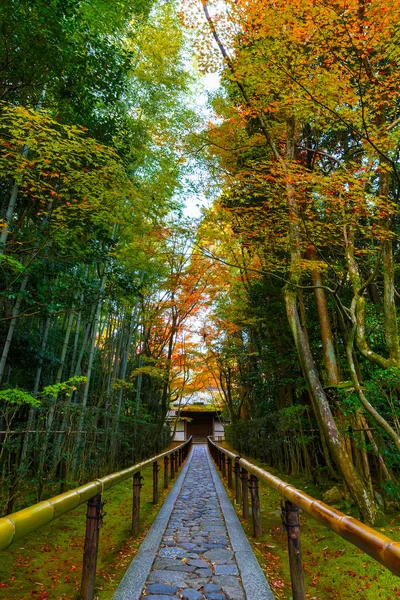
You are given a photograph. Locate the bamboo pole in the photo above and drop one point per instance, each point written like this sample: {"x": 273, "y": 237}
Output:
{"x": 230, "y": 481}
{"x": 238, "y": 494}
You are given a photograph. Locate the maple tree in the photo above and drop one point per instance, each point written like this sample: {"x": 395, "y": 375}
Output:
{"x": 306, "y": 144}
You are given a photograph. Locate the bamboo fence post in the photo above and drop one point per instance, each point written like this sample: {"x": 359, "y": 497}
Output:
{"x": 223, "y": 465}
{"x": 172, "y": 465}
{"x": 176, "y": 455}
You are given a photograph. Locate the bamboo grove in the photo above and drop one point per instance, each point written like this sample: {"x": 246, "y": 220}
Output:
{"x": 93, "y": 118}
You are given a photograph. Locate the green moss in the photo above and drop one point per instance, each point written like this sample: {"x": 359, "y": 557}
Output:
{"x": 210, "y": 408}
{"x": 333, "y": 568}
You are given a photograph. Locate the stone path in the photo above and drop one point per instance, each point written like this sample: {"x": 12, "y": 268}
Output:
{"x": 196, "y": 548}
{"x": 195, "y": 559}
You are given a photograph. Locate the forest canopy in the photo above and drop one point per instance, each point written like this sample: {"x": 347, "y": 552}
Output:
{"x": 280, "y": 300}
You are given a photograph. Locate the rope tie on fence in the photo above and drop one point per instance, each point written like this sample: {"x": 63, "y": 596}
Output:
{"x": 284, "y": 511}
{"x": 99, "y": 518}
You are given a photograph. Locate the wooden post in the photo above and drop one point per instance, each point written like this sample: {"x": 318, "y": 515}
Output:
{"x": 180, "y": 457}
{"x": 245, "y": 493}
{"x": 176, "y": 462}
{"x": 93, "y": 522}
{"x": 165, "y": 472}
{"x": 230, "y": 479}
{"x": 155, "y": 482}
{"x": 137, "y": 484}
{"x": 237, "y": 481}
{"x": 223, "y": 465}
{"x": 172, "y": 464}
{"x": 255, "y": 506}
{"x": 291, "y": 521}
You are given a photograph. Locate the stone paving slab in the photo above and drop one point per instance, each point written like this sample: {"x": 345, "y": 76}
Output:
{"x": 196, "y": 559}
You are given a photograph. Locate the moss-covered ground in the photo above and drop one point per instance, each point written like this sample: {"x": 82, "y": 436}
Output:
{"x": 333, "y": 568}
{"x": 47, "y": 564}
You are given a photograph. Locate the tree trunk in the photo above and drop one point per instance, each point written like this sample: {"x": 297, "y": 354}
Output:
{"x": 78, "y": 438}
{"x": 336, "y": 442}
{"x": 389, "y": 305}
{"x": 358, "y": 389}
{"x": 328, "y": 344}
{"x": 93, "y": 342}
{"x": 65, "y": 346}
{"x": 76, "y": 337}
{"x": 11, "y": 327}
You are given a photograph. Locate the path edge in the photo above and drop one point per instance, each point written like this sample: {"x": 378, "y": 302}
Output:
{"x": 134, "y": 579}
{"x": 253, "y": 579}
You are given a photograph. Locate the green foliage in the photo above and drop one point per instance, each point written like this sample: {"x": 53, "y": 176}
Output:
{"x": 348, "y": 400}
{"x": 150, "y": 371}
{"x": 385, "y": 378}
{"x": 18, "y": 397}
{"x": 11, "y": 263}
{"x": 289, "y": 417}
{"x": 77, "y": 52}
{"x": 392, "y": 489}
{"x": 68, "y": 180}
{"x": 64, "y": 388}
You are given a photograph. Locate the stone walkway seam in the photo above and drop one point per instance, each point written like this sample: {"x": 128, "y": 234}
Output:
{"x": 132, "y": 583}
{"x": 253, "y": 579}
